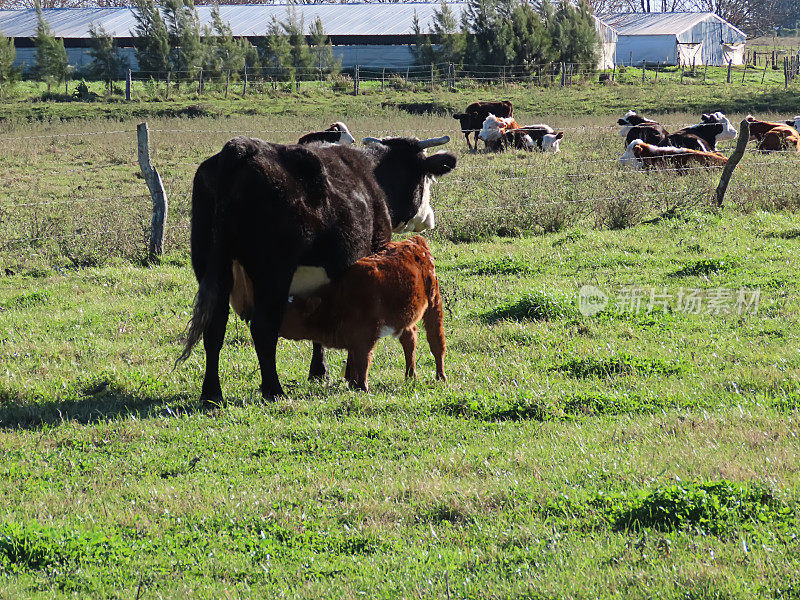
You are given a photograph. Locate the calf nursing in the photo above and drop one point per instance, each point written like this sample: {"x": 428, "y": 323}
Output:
{"x": 383, "y": 294}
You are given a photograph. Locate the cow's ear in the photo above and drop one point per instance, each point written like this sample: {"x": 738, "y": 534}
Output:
{"x": 560, "y": 135}
{"x": 440, "y": 163}
{"x": 637, "y": 151}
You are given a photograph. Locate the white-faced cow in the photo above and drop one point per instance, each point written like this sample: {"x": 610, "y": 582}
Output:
{"x": 647, "y": 156}
{"x": 794, "y": 122}
{"x": 269, "y": 219}
{"x": 384, "y": 294}
{"x": 337, "y": 133}
{"x": 500, "y": 133}
{"x": 475, "y": 114}
{"x": 636, "y": 127}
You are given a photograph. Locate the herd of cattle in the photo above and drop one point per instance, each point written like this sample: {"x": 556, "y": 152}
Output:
{"x": 297, "y": 238}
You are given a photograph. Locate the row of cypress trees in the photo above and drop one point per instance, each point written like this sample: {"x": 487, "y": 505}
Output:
{"x": 510, "y": 32}
{"x": 169, "y": 38}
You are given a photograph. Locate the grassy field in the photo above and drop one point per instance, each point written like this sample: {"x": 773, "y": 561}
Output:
{"x": 647, "y": 450}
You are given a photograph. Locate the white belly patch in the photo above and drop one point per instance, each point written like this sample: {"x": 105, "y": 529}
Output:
{"x": 308, "y": 279}
{"x": 387, "y": 331}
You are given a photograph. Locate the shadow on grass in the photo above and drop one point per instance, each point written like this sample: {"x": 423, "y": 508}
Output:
{"x": 29, "y": 414}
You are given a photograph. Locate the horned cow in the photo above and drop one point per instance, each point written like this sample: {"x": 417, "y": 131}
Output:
{"x": 385, "y": 294}
{"x": 271, "y": 219}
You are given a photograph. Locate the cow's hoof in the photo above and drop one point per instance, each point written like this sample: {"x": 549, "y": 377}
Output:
{"x": 272, "y": 395}
{"x": 211, "y": 401}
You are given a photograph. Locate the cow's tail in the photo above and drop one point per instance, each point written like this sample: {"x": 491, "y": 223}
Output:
{"x": 210, "y": 244}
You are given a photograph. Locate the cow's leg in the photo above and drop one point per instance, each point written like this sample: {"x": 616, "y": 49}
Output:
{"x": 319, "y": 366}
{"x": 466, "y": 135}
{"x": 408, "y": 339}
{"x": 434, "y": 331}
{"x": 213, "y": 336}
{"x": 270, "y": 291}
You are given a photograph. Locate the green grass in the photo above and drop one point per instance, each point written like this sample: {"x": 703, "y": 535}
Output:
{"x": 631, "y": 453}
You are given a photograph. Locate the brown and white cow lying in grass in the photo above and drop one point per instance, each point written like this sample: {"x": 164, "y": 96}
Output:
{"x": 647, "y": 156}
{"x": 383, "y": 294}
{"x": 781, "y": 137}
{"x": 758, "y": 129}
{"x": 499, "y": 133}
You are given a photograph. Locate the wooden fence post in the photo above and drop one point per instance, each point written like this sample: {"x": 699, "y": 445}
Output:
{"x": 764, "y": 73}
{"x": 744, "y": 72}
{"x": 157, "y": 193}
{"x": 169, "y": 78}
{"x": 244, "y": 82}
{"x": 431, "y": 77}
{"x": 730, "y": 65}
{"x": 227, "y": 82}
{"x": 128, "y": 86}
{"x": 383, "y": 79}
{"x": 643, "y": 72}
{"x": 200, "y": 83}
{"x": 355, "y": 80}
{"x": 741, "y": 144}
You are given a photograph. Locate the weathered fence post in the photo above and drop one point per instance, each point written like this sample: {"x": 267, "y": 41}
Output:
{"x": 383, "y": 79}
{"x": 355, "y": 80}
{"x": 643, "y": 72}
{"x": 244, "y": 82}
{"x": 157, "y": 193}
{"x": 741, "y": 144}
{"x": 169, "y": 78}
{"x": 200, "y": 83}
{"x": 764, "y": 73}
{"x": 730, "y": 66}
{"x": 785, "y": 72}
{"x": 227, "y": 82}
{"x": 128, "y": 85}
{"x": 744, "y": 72}
{"x": 431, "y": 77}
{"x": 563, "y": 75}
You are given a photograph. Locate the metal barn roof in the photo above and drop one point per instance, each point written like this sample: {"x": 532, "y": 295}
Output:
{"x": 671, "y": 23}
{"x": 245, "y": 20}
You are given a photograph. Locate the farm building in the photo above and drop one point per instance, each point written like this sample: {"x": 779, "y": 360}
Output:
{"x": 671, "y": 38}
{"x": 380, "y": 35}
{"x": 365, "y": 34}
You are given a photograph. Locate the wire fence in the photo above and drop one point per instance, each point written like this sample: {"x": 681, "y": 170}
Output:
{"x": 484, "y": 196}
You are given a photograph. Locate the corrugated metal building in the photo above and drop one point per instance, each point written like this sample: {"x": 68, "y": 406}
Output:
{"x": 365, "y": 34}
{"x": 379, "y": 35}
{"x": 674, "y": 38}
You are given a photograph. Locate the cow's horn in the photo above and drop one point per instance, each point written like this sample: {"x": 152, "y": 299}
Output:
{"x": 371, "y": 140}
{"x": 433, "y": 142}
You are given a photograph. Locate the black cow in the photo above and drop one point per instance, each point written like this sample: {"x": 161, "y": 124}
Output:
{"x": 337, "y": 133}
{"x": 266, "y": 216}
{"x": 636, "y": 127}
{"x": 473, "y": 117}
{"x": 712, "y": 128}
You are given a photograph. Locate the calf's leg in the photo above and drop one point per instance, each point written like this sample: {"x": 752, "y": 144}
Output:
{"x": 319, "y": 366}
{"x": 434, "y": 331}
{"x": 213, "y": 336}
{"x": 359, "y": 359}
{"x": 408, "y": 339}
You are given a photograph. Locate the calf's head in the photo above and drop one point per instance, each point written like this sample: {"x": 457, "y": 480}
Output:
{"x": 405, "y": 174}
{"x": 632, "y": 155}
{"x": 550, "y": 141}
{"x": 794, "y": 122}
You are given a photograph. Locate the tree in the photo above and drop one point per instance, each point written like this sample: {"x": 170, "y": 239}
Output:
{"x": 183, "y": 29}
{"x": 8, "y": 55}
{"x": 107, "y": 64}
{"x": 489, "y": 33}
{"x": 52, "y": 65}
{"x": 277, "y": 51}
{"x": 294, "y": 28}
{"x": 532, "y": 43}
{"x": 223, "y": 52}
{"x": 574, "y": 37}
{"x": 322, "y": 49}
{"x": 151, "y": 39}
{"x": 449, "y": 36}
{"x": 421, "y": 49}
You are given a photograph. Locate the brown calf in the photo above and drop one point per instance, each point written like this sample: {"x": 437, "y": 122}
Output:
{"x": 386, "y": 293}
{"x": 647, "y": 156}
{"x": 758, "y": 129}
{"x": 781, "y": 137}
